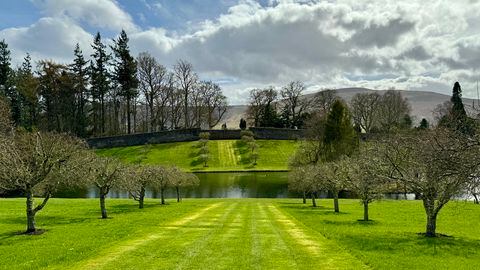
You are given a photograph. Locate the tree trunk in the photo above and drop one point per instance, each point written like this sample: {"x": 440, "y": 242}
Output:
{"x": 128, "y": 116}
{"x": 431, "y": 225}
{"x": 141, "y": 198}
{"x": 30, "y": 212}
{"x": 314, "y": 203}
{"x": 475, "y": 199}
{"x": 162, "y": 196}
{"x": 335, "y": 202}
{"x": 102, "y": 204}
{"x": 178, "y": 193}
{"x": 365, "y": 211}
{"x": 304, "y": 197}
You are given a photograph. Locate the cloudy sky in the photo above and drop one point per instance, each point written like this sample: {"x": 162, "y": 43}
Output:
{"x": 241, "y": 44}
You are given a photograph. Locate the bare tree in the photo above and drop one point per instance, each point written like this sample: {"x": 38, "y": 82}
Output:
{"x": 105, "y": 173}
{"x": 366, "y": 175}
{"x": 333, "y": 177}
{"x": 365, "y": 109}
{"x": 214, "y": 101}
{"x": 186, "y": 79}
{"x": 294, "y": 104}
{"x": 437, "y": 164}
{"x": 37, "y": 164}
{"x": 163, "y": 178}
{"x": 137, "y": 180}
{"x": 180, "y": 179}
{"x": 392, "y": 110}
{"x": 303, "y": 179}
{"x": 152, "y": 81}
{"x": 261, "y": 104}
{"x": 324, "y": 100}
{"x": 5, "y": 118}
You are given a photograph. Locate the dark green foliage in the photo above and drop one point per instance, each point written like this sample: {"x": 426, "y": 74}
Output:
{"x": 424, "y": 124}
{"x": 5, "y": 70}
{"x": 27, "y": 87}
{"x": 339, "y": 137}
{"x": 80, "y": 83}
{"x": 243, "y": 124}
{"x": 125, "y": 73}
{"x": 100, "y": 83}
{"x": 457, "y": 118}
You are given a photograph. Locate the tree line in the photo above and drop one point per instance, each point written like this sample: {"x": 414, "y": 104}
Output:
{"x": 436, "y": 164}
{"x": 110, "y": 93}
{"x": 290, "y": 107}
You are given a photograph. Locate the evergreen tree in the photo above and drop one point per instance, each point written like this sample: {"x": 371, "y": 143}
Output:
{"x": 6, "y": 83}
{"x": 80, "y": 80}
{"x": 457, "y": 118}
{"x": 27, "y": 87}
{"x": 5, "y": 70}
{"x": 424, "y": 124}
{"x": 243, "y": 124}
{"x": 340, "y": 137}
{"x": 125, "y": 73}
{"x": 100, "y": 83}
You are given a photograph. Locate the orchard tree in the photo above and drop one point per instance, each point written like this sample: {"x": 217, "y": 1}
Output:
{"x": 180, "y": 179}
{"x": 137, "y": 180}
{"x": 366, "y": 174}
{"x": 437, "y": 164}
{"x": 303, "y": 179}
{"x": 163, "y": 180}
{"x": 105, "y": 173}
{"x": 333, "y": 177}
{"x": 37, "y": 164}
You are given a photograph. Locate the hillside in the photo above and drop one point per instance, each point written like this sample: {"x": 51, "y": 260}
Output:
{"x": 422, "y": 103}
{"x": 225, "y": 155}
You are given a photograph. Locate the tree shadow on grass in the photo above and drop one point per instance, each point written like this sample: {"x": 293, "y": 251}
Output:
{"x": 420, "y": 245}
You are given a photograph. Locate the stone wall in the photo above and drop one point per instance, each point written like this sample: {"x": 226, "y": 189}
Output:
{"x": 185, "y": 135}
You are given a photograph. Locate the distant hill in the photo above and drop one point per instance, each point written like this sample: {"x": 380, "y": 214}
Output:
{"x": 422, "y": 103}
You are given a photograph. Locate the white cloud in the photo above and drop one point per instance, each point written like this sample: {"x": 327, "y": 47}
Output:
{"x": 49, "y": 38}
{"x": 105, "y": 14}
{"x": 424, "y": 45}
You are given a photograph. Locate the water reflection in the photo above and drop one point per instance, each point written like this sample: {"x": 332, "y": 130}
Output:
{"x": 226, "y": 185}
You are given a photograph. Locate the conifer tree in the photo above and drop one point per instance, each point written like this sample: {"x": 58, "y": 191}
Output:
{"x": 340, "y": 136}
{"x": 125, "y": 73}
{"x": 100, "y": 83}
{"x": 80, "y": 81}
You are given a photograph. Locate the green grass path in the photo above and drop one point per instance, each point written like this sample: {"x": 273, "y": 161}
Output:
{"x": 225, "y": 155}
{"x": 248, "y": 234}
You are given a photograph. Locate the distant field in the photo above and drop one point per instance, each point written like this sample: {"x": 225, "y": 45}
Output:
{"x": 225, "y": 155}
{"x": 237, "y": 234}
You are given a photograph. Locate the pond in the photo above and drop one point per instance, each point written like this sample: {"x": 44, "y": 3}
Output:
{"x": 215, "y": 185}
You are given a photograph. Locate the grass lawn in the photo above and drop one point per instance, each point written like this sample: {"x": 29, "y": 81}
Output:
{"x": 225, "y": 155}
{"x": 237, "y": 234}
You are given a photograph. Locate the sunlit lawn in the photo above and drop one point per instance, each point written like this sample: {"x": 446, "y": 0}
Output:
{"x": 225, "y": 155}
{"x": 238, "y": 234}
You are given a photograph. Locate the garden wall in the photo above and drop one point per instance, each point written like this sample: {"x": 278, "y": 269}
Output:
{"x": 185, "y": 135}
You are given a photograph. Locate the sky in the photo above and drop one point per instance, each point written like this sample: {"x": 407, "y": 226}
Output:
{"x": 244, "y": 44}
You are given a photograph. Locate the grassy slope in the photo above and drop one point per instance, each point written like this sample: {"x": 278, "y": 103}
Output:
{"x": 225, "y": 155}
{"x": 237, "y": 234}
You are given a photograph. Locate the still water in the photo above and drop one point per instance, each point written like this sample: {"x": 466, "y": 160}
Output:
{"x": 215, "y": 185}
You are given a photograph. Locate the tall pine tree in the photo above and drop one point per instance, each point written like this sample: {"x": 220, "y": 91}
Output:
{"x": 457, "y": 118}
{"x": 7, "y": 88}
{"x": 125, "y": 74}
{"x": 100, "y": 83}
{"x": 80, "y": 83}
{"x": 27, "y": 87}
